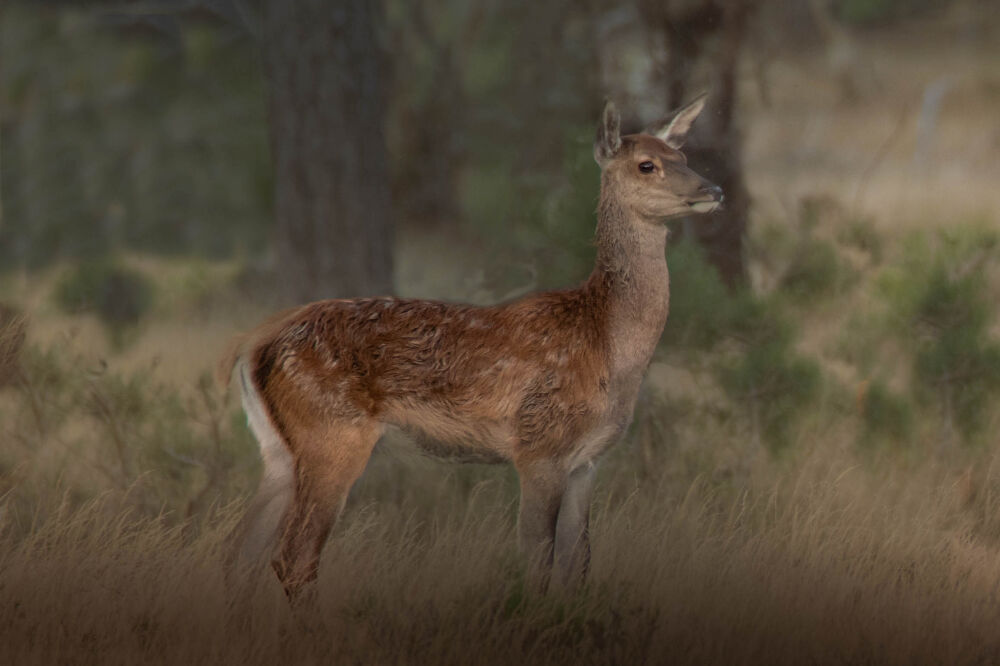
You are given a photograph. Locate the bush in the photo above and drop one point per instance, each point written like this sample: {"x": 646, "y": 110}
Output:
{"x": 773, "y": 384}
{"x": 85, "y": 429}
{"x": 759, "y": 369}
{"x": 814, "y": 271}
{"x": 798, "y": 260}
{"x": 960, "y": 372}
{"x": 119, "y": 296}
{"x": 169, "y": 452}
{"x": 704, "y": 312}
{"x": 885, "y": 415}
{"x": 702, "y": 309}
{"x": 860, "y": 233}
{"x": 939, "y": 303}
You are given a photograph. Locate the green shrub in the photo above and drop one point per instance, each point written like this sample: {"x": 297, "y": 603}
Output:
{"x": 940, "y": 304}
{"x": 859, "y": 341}
{"x": 959, "y": 371}
{"x": 757, "y": 366}
{"x": 176, "y": 451}
{"x": 704, "y": 312}
{"x": 814, "y": 271}
{"x": 702, "y": 308}
{"x": 774, "y": 385}
{"x": 860, "y": 233}
{"x": 89, "y": 429}
{"x": 799, "y": 262}
{"x": 885, "y": 415}
{"x": 118, "y": 295}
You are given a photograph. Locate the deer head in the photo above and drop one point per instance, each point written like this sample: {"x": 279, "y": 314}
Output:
{"x": 649, "y": 171}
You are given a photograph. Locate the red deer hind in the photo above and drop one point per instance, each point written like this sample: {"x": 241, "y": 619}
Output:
{"x": 547, "y": 382}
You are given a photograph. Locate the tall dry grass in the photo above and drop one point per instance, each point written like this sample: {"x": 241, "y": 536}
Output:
{"x": 826, "y": 561}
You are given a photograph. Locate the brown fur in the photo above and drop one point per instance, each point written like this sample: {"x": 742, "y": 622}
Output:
{"x": 547, "y": 382}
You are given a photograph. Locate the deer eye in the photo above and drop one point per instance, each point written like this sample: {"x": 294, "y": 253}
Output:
{"x": 647, "y": 167}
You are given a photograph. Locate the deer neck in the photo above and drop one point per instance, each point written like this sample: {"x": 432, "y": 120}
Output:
{"x": 631, "y": 277}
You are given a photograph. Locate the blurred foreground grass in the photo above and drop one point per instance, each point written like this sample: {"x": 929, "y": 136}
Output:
{"x": 821, "y": 561}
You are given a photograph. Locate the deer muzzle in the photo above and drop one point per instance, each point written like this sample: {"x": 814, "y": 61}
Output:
{"x": 710, "y": 198}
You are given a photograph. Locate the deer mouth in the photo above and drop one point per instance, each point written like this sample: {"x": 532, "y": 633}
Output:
{"x": 710, "y": 202}
{"x": 704, "y": 206}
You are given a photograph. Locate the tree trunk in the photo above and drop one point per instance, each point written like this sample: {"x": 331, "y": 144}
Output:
{"x": 717, "y": 154}
{"x": 332, "y": 202}
{"x": 715, "y": 148}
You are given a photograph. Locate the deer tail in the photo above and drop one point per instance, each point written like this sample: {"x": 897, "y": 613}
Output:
{"x": 246, "y": 342}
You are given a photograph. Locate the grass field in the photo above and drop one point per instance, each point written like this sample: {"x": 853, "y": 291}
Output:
{"x": 820, "y": 561}
{"x": 871, "y": 534}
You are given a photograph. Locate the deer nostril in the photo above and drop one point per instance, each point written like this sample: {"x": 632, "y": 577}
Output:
{"x": 713, "y": 191}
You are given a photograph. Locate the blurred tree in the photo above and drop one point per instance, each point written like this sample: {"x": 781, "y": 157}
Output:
{"x": 332, "y": 200}
{"x": 842, "y": 55}
{"x": 688, "y": 28}
{"x": 488, "y": 138}
{"x": 554, "y": 79}
{"x": 134, "y": 126}
{"x": 432, "y": 40}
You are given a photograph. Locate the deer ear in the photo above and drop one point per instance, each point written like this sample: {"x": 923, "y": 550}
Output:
{"x": 608, "y": 141}
{"x": 673, "y": 129}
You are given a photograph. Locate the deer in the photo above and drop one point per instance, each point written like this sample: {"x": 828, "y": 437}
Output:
{"x": 547, "y": 382}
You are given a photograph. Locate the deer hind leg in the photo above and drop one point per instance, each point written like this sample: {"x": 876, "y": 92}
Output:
{"x": 572, "y": 540}
{"x": 328, "y": 460}
{"x": 542, "y": 487}
{"x": 256, "y": 535}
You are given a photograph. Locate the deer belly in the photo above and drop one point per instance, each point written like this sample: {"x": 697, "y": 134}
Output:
{"x": 452, "y": 436}
{"x": 455, "y": 452}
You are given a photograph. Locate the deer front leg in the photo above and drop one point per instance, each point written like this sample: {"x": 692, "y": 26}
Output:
{"x": 542, "y": 487}
{"x": 572, "y": 544}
